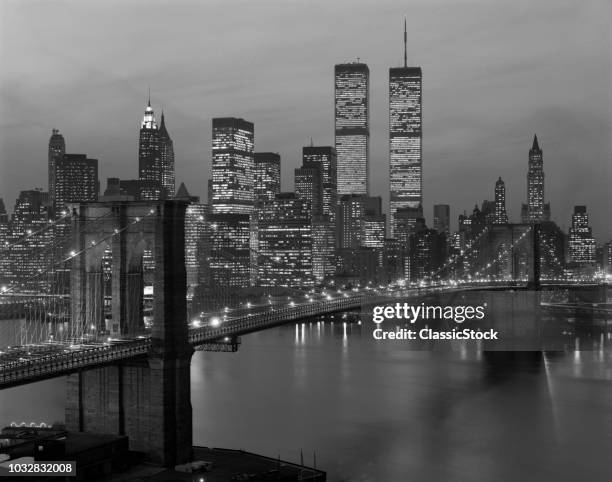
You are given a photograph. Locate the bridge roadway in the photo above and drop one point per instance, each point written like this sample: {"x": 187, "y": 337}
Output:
{"x": 49, "y": 361}
{"x": 25, "y": 365}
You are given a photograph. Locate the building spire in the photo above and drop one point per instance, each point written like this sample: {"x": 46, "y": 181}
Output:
{"x": 535, "y": 142}
{"x": 148, "y": 120}
{"x": 405, "y": 41}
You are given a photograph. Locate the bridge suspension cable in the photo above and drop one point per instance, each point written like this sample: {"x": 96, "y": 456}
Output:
{"x": 46, "y": 315}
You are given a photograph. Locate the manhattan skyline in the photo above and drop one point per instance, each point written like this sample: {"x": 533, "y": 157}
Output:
{"x": 492, "y": 77}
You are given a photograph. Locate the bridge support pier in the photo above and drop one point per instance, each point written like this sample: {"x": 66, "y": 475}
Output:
{"x": 147, "y": 399}
{"x": 517, "y": 317}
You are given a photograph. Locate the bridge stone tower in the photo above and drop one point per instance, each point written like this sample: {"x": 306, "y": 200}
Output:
{"x": 147, "y": 399}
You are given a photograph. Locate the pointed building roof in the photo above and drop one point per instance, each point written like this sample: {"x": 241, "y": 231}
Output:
{"x": 535, "y": 143}
{"x": 183, "y": 194}
{"x": 163, "y": 132}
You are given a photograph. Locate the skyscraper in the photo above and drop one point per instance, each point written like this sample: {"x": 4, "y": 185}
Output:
{"x": 308, "y": 186}
{"x": 166, "y": 150}
{"x": 76, "y": 180}
{"x": 4, "y": 223}
{"x": 195, "y": 231}
{"x": 581, "y": 241}
{"x": 323, "y": 248}
{"x": 352, "y": 127}
{"x": 5, "y": 272}
{"x": 353, "y": 211}
{"x": 406, "y": 221}
{"x": 149, "y": 157}
{"x": 232, "y": 165}
{"x": 535, "y": 211}
{"x": 325, "y": 158}
{"x": 405, "y": 138}
{"x": 31, "y": 253}
{"x": 57, "y": 149}
{"x": 230, "y": 255}
{"x": 441, "y": 217}
{"x": 266, "y": 177}
{"x": 607, "y": 258}
{"x": 427, "y": 248}
{"x": 501, "y": 216}
{"x": 285, "y": 242}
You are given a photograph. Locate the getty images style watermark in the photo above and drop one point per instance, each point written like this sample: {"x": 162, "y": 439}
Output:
{"x": 407, "y": 313}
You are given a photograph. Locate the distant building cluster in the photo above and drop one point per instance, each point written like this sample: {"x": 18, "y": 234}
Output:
{"x": 331, "y": 231}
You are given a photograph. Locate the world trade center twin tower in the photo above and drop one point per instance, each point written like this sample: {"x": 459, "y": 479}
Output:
{"x": 352, "y": 133}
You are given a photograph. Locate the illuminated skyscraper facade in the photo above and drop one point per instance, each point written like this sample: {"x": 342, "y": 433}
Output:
{"x": 266, "y": 175}
{"x": 166, "y": 152}
{"x": 285, "y": 242}
{"x": 323, "y": 248}
{"x": 352, "y": 127}
{"x": 149, "y": 157}
{"x": 405, "y": 139}
{"x": 501, "y": 216}
{"x": 27, "y": 254}
{"x": 5, "y": 232}
{"x": 325, "y": 158}
{"x": 76, "y": 180}
{"x": 535, "y": 211}
{"x": 353, "y": 212}
{"x": 607, "y": 258}
{"x": 57, "y": 149}
{"x": 581, "y": 241}
{"x": 232, "y": 166}
{"x": 230, "y": 255}
{"x": 308, "y": 186}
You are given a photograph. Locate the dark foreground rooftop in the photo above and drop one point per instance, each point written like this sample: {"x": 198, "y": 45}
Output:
{"x": 227, "y": 465}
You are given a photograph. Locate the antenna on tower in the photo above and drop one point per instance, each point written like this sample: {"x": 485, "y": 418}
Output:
{"x": 149, "y": 87}
{"x": 311, "y": 142}
{"x": 405, "y": 40}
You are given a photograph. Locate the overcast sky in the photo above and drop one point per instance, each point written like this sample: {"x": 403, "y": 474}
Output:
{"x": 494, "y": 73}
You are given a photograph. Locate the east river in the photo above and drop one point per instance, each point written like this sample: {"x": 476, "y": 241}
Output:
{"x": 379, "y": 411}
